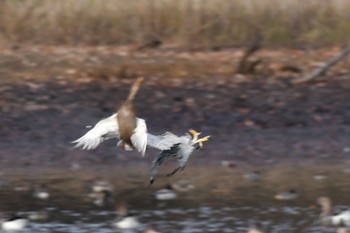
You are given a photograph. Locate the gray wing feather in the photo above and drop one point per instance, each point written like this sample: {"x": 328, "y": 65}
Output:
{"x": 171, "y": 146}
{"x": 163, "y": 142}
{"x": 161, "y": 158}
{"x": 184, "y": 154}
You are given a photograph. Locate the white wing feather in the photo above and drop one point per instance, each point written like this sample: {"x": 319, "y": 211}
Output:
{"x": 104, "y": 129}
{"x": 139, "y": 137}
{"x": 163, "y": 142}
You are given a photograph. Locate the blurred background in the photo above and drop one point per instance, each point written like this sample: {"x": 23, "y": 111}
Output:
{"x": 232, "y": 69}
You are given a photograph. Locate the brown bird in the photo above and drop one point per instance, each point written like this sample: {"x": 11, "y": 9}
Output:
{"x": 126, "y": 117}
{"x": 124, "y": 125}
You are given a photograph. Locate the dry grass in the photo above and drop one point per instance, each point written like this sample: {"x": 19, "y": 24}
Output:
{"x": 202, "y": 23}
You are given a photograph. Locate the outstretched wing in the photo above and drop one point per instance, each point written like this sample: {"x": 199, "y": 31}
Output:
{"x": 163, "y": 142}
{"x": 104, "y": 129}
{"x": 139, "y": 137}
{"x": 161, "y": 158}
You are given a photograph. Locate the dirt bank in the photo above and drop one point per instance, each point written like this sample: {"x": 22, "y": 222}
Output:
{"x": 253, "y": 118}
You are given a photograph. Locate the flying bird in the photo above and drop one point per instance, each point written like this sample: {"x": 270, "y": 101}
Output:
{"x": 124, "y": 125}
{"x": 171, "y": 146}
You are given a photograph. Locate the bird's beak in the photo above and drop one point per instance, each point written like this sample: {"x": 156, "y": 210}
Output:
{"x": 201, "y": 140}
{"x": 195, "y": 134}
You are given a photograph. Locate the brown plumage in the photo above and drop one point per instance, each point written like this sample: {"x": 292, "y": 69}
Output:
{"x": 131, "y": 131}
{"x": 126, "y": 116}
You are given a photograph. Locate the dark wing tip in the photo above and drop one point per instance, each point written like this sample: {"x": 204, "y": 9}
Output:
{"x": 151, "y": 180}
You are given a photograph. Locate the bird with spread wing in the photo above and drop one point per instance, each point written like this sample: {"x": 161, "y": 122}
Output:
{"x": 124, "y": 125}
{"x": 132, "y": 134}
{"x": 172, "y": 146}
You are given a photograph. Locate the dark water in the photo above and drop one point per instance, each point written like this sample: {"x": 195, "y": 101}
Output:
{"x": 222, "y": 199}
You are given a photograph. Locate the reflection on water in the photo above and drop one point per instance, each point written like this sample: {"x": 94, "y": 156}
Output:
{"x": 220, "y": 199}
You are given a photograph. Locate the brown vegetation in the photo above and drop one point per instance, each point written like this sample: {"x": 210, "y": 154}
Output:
{"x": 192, "y": 23}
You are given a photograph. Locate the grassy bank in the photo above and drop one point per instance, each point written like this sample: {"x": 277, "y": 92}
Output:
{"x": 186, "y": 22}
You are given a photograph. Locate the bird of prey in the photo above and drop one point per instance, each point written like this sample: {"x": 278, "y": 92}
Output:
{"x": 174, "y": 146}
{"x": 124, "y": 125}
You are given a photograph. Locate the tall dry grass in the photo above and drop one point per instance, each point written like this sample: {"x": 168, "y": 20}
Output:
{"x": 187, "y": 22}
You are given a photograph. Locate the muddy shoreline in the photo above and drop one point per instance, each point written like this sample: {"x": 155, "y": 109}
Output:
{"x": 249, "y": 122}
{"x": 47, "y": 103}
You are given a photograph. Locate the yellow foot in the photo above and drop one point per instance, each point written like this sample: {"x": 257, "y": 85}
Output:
{"x": 194, "y": 133}
{"x": 201, "y": 140}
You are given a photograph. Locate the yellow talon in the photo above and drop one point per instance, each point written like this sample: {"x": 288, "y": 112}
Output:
{"x": 201, "y": 140}
{"x": 194, "y": 133}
